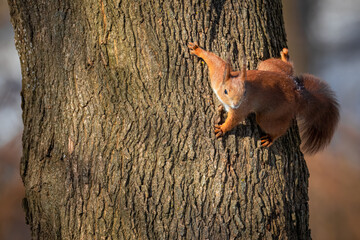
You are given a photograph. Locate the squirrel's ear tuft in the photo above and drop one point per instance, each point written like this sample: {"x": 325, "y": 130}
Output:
{"x": 227, "y": 68}
{"x": 227, "y": 72}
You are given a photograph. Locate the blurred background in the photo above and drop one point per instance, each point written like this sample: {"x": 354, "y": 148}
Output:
{"x": 323, "y": 39}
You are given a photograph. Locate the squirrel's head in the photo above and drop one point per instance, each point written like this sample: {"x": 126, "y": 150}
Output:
{"x": 231, "y": 92}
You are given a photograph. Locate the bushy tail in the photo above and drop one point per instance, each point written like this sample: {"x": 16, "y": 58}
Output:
{"x": 318, "y": 115}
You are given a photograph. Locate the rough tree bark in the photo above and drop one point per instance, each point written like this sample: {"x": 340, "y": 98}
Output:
{"x": 118, "y": 138}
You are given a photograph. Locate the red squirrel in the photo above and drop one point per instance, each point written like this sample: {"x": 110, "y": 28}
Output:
{"x": 276, "y": 96}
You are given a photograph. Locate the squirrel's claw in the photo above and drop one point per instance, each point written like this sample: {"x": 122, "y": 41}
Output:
{"x": 218, "y": 131}
{"x": 266, "y": 141}
{"x": 193, "y": 46}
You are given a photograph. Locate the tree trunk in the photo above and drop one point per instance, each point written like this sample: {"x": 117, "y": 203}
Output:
{"x": 118, "y": 138}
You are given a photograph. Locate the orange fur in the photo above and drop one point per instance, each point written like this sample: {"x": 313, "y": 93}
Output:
{"x": 275, "y": 96}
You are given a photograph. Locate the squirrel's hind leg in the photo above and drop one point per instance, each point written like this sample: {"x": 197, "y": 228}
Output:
{"x": 285, "y": 55}
{"x": 273, "y": 127}
{"x": 266, "y": 140}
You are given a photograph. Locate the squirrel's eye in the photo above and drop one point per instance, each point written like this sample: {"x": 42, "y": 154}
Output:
{"x": 226, "y": 92}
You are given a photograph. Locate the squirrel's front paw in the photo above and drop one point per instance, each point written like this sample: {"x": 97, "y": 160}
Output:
{"x": 193, "y": 46}
{"x": 218, "y": 131}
